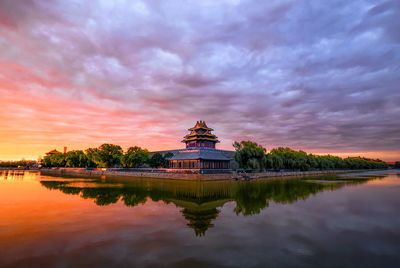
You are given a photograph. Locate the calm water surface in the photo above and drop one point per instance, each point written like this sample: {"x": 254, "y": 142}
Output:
{"x": 351, "y": 221}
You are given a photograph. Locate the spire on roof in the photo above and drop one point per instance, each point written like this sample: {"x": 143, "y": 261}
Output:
{"x": 200, "y": 125}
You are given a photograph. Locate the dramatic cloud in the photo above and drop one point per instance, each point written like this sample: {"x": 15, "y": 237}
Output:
{"x": 314, "y": 75}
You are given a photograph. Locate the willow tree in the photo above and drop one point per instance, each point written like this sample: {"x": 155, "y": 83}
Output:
{"x": 250, "y": 155}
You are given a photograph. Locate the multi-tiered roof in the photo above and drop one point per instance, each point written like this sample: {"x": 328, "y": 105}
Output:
{"x": 53, "y": 152}
{"x": 200, "y": 133}
{"x": 201, "y": 155}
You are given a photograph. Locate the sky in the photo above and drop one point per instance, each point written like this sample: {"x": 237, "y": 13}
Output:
{"x": 320, "y": 76}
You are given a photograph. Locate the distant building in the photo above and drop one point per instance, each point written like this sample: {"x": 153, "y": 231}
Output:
{"x": 200, "y": 154}
{"x": 56, "y": 152}
{"x": 53, "y": 152}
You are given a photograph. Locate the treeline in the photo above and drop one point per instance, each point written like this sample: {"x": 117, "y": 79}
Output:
{"x": 107, "y": 156}
{"x": 250, "y": 155}
{"x": 15, "y": 164}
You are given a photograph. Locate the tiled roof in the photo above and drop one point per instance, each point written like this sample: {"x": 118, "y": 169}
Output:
{"x": 54, "y": 152}
{"x": 200, "y": 124}
{"x": 200, "y": 139}
{"x": 201, "y": 153}
{"x": 200, "y": 132}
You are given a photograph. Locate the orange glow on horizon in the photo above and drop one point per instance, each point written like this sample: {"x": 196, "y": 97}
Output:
{"x": 70, "y": 78}
{"x": 35, "y": 121}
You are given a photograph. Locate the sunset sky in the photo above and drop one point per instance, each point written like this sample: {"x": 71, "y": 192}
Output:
{"x": 321, "y": 76}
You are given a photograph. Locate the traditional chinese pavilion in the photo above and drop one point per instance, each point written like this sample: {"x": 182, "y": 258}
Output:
{"x": 53, "y": 152}
{"x": 56, "y": 152}
{"x": 200, "y": 153}
{"x": 200, "y": 136}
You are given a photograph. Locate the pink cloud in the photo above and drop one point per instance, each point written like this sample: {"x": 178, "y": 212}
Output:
{"x": 86, "y": 73}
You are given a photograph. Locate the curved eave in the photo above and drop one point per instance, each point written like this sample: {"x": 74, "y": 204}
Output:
{"x": 201, "y": 139}
{"x": 199, "y": 135}
{"x": 195, "y": 128}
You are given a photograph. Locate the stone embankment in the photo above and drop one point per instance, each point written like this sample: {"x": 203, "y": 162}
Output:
{"x": 179, "y": 176}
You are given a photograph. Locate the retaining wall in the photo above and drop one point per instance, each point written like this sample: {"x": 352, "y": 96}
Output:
{"x": 176, "y": 176}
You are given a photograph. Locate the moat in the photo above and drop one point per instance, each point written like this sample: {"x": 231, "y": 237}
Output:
{"x": 328, "y": 221}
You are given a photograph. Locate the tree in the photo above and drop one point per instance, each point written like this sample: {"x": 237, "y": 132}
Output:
{"x": 135, "y": 157}
{"x": 19, "y": 163}
{"x": 168, "y": 155}
{"x": 76, "y": 159}
{"x": 160, "y": 160}
{"x": 90, "y": 155}
{"x": 46, "y": 161}
{"x": 274, "y": 161}
{"x": 58, "y": 160}
{"x": 250, "y": 155}
{"x": 157, "y": 160}
{"x": 107, "y": 155}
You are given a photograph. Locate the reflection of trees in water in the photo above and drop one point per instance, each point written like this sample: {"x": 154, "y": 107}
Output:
{"x": 102, "y": 196}
{"x": 134, "y": 199}
{"x": 251, "y": 198}
{"x": 200, "y": 200}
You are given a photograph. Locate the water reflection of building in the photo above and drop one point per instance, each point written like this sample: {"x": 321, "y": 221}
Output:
{"x": 52, "y": 152}
{"x": 200, "y": 201}
{"x": 56, "y": 152}
{"x": 200, "y": 212}
{"x": 200, "y": 220}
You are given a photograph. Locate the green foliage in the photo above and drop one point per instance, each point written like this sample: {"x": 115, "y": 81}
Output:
{"x": 90, "y": 154}
{"x": 250, "y": 155}
{"x": 76, "y": 159}
{"x": 299, "y": 160}
{"x": 274, "y": 161}
{"x": 71, "y": 159}
{"x": 135, "y": 157}
{"x": 291, "y": 159}
{"x": 46, "y": 161}
{"x": 397, "y": 165}
{"x": 54, "y": 160}
{"x": 158, "y": 160}
{"x": 168, "y": 155}
{"x": 20, "y": 163}
{"x": 108, "y": 155}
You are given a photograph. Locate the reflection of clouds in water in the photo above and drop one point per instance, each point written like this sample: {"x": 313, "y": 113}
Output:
{"x": 357, "y": 224}
{"x": 348, "y": 227}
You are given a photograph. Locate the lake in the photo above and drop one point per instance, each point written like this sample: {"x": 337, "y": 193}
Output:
{"x": 330, "y": 221}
